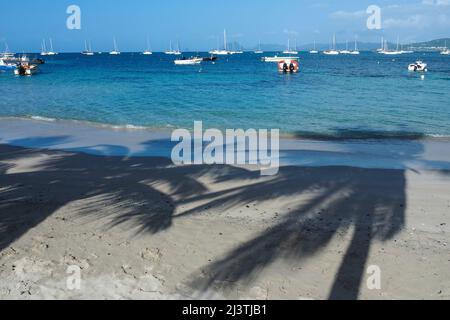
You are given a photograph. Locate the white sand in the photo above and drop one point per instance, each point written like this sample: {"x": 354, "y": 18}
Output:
{"x": 144, "y": 229}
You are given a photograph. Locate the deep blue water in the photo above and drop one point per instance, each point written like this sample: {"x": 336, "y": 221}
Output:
{"x": 332, "y": 95}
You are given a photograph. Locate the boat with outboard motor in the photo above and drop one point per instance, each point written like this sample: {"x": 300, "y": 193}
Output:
{"x": 188, "y": 61}
{"x": 418, "y": 66}
{"x": 5, "y": 66}
{"x": 289, "y": 66}
{"x": 277, "y": 59}
{"x": 25, "y": 69}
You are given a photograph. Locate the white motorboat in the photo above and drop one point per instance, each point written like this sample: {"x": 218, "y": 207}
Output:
{"x": 116, "y": 51}
{"x": 25, "y": 69}
{"x": 4, "y": 66}
{"x": 418, "y": 66}
{"x": 190, "y": 61}
{"x": 278, "y": 59}
{"x": 289, "y": 66}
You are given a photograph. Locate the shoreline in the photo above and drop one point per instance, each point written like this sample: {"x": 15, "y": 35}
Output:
{"x": 346, "y": 135}
{"x": 421, "y": 153}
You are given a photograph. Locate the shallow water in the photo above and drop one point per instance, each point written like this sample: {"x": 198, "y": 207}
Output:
{"x": 333, "y": 96}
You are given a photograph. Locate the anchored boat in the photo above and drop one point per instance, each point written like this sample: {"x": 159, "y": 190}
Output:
{"x": 190, "y": 61}
{"x": 25, "y": 69}
{"x": 418, "y": 66}
{"x": 288, "y": 66}
{"x": 6, "y": 66}
{"x": 277, "y": 59}
{"x": 332, "y": 51}
{"x": 116, "y": 51}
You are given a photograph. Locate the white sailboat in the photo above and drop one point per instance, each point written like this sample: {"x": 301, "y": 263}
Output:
{"x": 386, "y": 50}
{"x": 51, "y": 52}
{"x": 446, "y": 51}
{"x": 147, "y": 51}
{"x": 289, "y": 51}
{"x": 381, "y": 49}
{"x": 332, "y": 51}
{"x": 225, "y": 50}
{"x": 43, "y": 48}
{"x": 346, "y": 51}
{"x": 259, "y": 51}
{"x": 355, "y": 51}
{"x": 314, "y": 51}
{"x": 87, "y": 49}
{"x": 116, "y": 51}
{"x": 173, "y": 52}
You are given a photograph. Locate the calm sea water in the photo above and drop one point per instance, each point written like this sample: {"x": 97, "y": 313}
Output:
{"x": 366, "y": 95}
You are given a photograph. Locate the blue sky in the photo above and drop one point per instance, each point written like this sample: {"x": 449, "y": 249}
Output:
{"x": 198, "y": 23}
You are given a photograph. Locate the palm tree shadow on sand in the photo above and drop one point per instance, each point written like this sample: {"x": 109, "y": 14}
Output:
{"x": 371, "y": 202}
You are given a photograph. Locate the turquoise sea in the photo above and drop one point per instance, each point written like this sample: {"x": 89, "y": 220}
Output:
{"x": 333, "y": 96}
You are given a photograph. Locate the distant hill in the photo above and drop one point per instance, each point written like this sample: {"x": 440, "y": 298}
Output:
{"x": 432, "y": 45}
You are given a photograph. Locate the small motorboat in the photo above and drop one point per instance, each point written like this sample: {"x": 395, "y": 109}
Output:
{"x": 190, "y": 61}
{"x": 211, "y": 58}
{"x": 25, "y": 69}
{"x": 4, "y": 66}
{"x": 277, "y": 59}
{"x": 418, "y": 66}
{"x": 288, "y": 66}
{"x": 37, "y": 61}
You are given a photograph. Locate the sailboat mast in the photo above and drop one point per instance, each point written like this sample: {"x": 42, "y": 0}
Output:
{"x": 225, "y": 39}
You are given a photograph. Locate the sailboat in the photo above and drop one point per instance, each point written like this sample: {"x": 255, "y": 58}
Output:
{"x": 446, "y": 51}
{"x": 225, "y": 51}
{"x": 115, "y": 52}
{"x": 147, "y": 51}
{"x": 356, "y": 51}
{"x": 314, "y": 51}
{"x": 259, "y": 51}
{"x": 346, "y": 51}
{"x": 51, "y": 52}
{"x": 173, "y": 52}
{"x": 43, "y": 48}
{"x": 289, "y": 51}
{"x": 87, "y": 49}
{"x": 392, "y": 52}
{"x": 332, "y": 51}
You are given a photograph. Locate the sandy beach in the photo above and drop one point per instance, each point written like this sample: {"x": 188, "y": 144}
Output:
{"x": 142, "y": 228}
